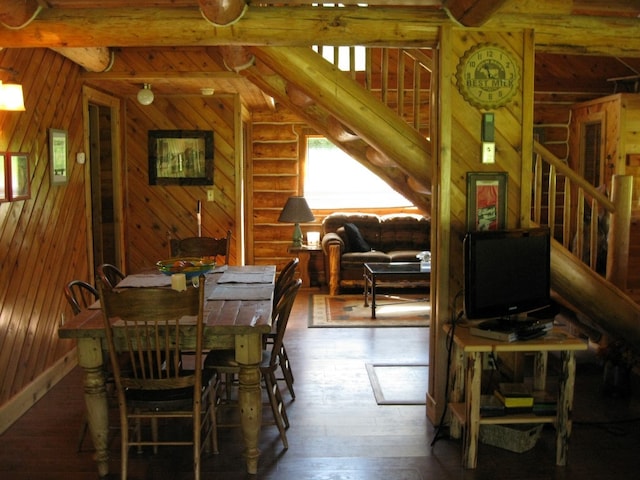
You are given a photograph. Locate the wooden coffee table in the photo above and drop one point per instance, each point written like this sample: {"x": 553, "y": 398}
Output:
{"x": 404, "y": 273}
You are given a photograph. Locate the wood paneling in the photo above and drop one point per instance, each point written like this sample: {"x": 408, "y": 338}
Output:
{"x": 42, "y": 239}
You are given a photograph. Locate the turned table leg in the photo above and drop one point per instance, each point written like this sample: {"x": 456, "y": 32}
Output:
{"x": 95, "y": 397}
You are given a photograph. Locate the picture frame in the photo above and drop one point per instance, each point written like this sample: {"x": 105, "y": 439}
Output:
{"x": 4, "y": 191}
{"x": 19, "y": 180}
{"x": 180, "y": 157}
{"x": 58, "y": 156}
{"x": 486, "y": 200}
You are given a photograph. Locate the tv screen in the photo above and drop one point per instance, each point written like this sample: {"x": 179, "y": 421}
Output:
{"x": 506, "y": 272}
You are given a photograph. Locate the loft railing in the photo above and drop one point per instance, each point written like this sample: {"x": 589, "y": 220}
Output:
{"x": 565, "y": 202}
{"x": 399, "y": 78}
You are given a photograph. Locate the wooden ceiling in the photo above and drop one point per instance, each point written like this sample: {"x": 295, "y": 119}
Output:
{"x": 169, "y": 44}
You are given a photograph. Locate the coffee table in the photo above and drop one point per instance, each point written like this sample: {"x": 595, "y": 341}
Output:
{"x": 404, "y": 273}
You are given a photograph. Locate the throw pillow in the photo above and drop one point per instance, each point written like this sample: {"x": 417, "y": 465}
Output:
{"x": 357, "y": 243}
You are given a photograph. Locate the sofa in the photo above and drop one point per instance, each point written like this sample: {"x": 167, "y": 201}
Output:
{"x": 349, "y": 240}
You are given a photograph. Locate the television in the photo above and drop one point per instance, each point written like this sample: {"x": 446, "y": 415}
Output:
{"x": 506, "y": 272}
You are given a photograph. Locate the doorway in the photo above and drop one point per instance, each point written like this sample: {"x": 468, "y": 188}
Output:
{"x": 103, "y": 180}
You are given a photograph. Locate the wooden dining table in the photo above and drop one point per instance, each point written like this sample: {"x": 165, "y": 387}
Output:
{"x": 237, "y": 313}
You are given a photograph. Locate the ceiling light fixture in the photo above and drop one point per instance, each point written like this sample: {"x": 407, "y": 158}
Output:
{"x": 207, "y": 91}
{"x": 145, "y": 95}
{"x": 11, "y": 96}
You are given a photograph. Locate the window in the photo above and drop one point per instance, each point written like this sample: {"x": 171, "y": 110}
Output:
{"x": 334, "y": 180}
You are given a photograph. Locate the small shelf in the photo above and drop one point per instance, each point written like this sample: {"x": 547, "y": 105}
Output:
{"x": 458, "y": 409}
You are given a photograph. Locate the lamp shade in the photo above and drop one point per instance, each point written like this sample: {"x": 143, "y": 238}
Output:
{"x": 11, "y": 97}
{"x": 296, "y": 210}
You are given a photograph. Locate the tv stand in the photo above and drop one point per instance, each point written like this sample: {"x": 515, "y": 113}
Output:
{"x": 465, "y": 382}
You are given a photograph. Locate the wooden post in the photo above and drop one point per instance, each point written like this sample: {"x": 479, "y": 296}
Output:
{"x": 618, "y": 241}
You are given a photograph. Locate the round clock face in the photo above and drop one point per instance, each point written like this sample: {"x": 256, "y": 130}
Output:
{"x": 488, "y": 76}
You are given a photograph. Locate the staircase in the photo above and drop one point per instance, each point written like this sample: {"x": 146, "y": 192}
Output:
{"x": 381, "y": 118}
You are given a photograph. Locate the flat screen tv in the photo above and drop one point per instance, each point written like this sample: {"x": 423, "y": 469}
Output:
{"x": 506, "y": 272}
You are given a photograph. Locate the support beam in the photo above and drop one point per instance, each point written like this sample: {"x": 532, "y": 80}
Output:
{"x": 561, "y": 32}
{"x": 473, "y": 13}
{"x": 18, "y": 13}
{"x": 92, "y": 59}
{"x": 222, "y": 13}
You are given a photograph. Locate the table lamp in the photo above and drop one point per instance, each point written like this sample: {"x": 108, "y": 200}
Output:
{"x": 296, "y": 211}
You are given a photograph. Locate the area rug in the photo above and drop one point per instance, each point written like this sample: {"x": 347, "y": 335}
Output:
{"x": 349, "y": 311}
{"x": 398, "y": 384}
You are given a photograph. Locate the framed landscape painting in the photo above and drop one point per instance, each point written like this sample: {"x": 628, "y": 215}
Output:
{"x": 180, "y": 157}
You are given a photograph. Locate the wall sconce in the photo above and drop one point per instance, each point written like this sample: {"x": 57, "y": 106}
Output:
{"x": 145, "y": 95}
{"x": 11, "y": 96}
{"x": 297, "y": 211}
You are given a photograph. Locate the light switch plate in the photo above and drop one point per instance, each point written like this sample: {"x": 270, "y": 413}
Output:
{"x": 210, "y": 195}
{"x": 488, "y": 152}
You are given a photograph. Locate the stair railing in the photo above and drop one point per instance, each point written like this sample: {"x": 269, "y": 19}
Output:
{"x": 585, "y": 234}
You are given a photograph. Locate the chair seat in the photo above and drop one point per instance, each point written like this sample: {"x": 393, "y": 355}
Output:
{"x": 176, "y": 398}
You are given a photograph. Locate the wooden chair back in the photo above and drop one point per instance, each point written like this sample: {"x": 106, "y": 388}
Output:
{"x": 80, "y": 295}
{"x": 144, "y": 323}
{"x": 285, "y": 277}
{"x": 110, "y": 274}
{"x": 280, "y": 318}
{"x": 202, "y": 247}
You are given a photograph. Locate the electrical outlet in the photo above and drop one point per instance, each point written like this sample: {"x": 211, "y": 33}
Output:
{"x": 210, "y": 195}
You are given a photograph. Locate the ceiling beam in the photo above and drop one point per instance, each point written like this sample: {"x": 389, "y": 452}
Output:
{"x": 18, "y": 13}
{"x": 303, "y": 26}
{"x": 473, "y": 13}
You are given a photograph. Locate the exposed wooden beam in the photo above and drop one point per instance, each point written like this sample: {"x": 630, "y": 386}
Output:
{"x": 223, "y": 12}
{"x": 18, "y": 13}
{"x": 97, "y": 59}
{"x": 556, "y": 31}
{"x": 473, "y": 13}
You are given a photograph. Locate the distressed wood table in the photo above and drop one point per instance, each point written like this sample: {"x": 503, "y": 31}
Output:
{"x": 465, "y": 386}
{"x": 237, "y": 315}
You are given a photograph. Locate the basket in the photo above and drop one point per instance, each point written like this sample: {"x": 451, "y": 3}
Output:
{"x": 516, "y": 438}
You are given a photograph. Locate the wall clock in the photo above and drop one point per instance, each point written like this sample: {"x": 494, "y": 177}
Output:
{"x": 488, "y": 76}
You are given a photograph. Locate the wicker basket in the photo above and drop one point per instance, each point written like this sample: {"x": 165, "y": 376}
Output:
{"x": 517, "y": 438}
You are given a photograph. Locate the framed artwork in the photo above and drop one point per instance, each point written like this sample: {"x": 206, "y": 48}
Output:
{"x": 4, "y": 192}
{"x": 180, "y": 157}
{"x": 486, "y": 200}
{"x": 18, "y": 184}
{"x": 58, "y": 153}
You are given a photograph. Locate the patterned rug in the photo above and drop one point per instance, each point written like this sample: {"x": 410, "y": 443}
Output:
{"x": 407, "y": 310}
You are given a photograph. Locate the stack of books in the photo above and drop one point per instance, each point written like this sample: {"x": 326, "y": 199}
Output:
{"x": 544, "y": 403}
{"x": 516, "y": 397}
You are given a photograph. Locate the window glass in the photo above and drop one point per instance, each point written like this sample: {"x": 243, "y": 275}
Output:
{"x": 334, "y": 180}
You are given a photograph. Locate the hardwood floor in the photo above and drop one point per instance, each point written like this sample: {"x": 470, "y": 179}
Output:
{"x": 338, "y": 432}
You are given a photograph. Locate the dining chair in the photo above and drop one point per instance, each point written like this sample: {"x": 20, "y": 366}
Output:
{"x": 146, "y": 324}
{"x": 110, "y": 274}
{"x": 284, "y": 279}
{"x": 225, "y": 364}
{"x": 80, "y": 295}
{"x": 202, "y": 247}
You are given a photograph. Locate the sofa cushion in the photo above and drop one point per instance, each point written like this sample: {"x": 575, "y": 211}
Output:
{"x": 356, "y": 242}
{"x": 403, "y": 256}
{"x": 356, "y": 260}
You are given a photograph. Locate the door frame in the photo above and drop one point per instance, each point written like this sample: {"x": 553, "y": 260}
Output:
{"x": 95, "y": 97}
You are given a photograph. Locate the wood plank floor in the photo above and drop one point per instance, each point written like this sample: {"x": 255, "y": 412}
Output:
{"x": 338, "y": 432}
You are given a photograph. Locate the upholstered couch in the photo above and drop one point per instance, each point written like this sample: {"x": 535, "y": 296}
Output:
{"x": 349, "y": 240}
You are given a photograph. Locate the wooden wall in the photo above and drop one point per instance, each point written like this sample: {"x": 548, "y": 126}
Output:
{"x": 42, "y": 239}
{"x": 153, "y": 211}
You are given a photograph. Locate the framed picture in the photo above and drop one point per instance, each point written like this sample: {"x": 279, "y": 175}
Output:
{"x": 180, "y": 157}
{"x": 4, "y": 192}
{"x": 58, "y": 153}
{"x": 486, "y": 200}
{"x": 19, "y": 185}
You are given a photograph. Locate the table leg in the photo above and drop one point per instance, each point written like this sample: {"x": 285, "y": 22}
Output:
{"x": 249, "y": 354}
{"x": 472, "y": 404}
{"x": 95, "y": 397}
{"x": 366, "y": 288}
{"x": 373, "y": 295}
{"x": 305, "y": 258}
{"x": 565, "y": 405}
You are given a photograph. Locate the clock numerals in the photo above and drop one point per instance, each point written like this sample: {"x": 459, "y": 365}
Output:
{"x": 487, "y": 76}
